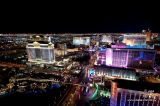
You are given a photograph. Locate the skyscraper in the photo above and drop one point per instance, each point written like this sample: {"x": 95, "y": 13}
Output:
{"x": 125, "y": 57}
{"x": 40, "y": 52}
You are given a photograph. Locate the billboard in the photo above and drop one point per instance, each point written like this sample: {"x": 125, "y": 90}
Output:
{"x": 92, "y": 72}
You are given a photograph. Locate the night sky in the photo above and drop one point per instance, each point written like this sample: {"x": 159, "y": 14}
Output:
{"x": 85, "y": 18}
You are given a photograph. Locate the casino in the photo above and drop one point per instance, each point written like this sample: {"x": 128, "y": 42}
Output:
{"x": 127, "y": 58}
{"x": 40, "y": 52}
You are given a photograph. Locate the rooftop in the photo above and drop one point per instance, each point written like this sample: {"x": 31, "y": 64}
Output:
{"x": 137, "y": 85}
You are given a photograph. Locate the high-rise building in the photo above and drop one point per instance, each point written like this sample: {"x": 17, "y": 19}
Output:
{"x": 119, "y": 57}
{"x": 134, "y": 93}
{"x": 61, "y": 49}
{"x": 135, "y": 40}
{"x": 106, "y": 38}
{"x": 149, "y": 35}
{"x": 134, "y": 58}
{"x": 40, "y": 52}
{"x": 81, "y": 41}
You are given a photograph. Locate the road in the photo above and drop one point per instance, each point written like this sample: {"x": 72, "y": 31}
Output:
{"x": 71, "y": 97}
{"x": 64, "y": 97}
{"x": 11, "y": 65}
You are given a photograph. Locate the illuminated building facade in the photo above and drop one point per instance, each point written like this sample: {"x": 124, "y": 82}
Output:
{"x": 134, "y": 58}
{"x": 119, "y": 58}
{"x": 133, "y": 93}
{"x": 149, "y": 35}
{"x": 40, "y": 52}
{"x": 112, "y": 72}
{"x": 135, "y": 40}
{"x": 113, "y": 100}
{"x": 61, "y": 50}
{"x": 119, "y": 45}
{"x": 81, "y": 41}
{"x": 101, "y": 59}
{"x": 107, "y": 38}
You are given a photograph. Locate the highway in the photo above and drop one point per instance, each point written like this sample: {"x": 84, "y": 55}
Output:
{"x": 65, "y": 95}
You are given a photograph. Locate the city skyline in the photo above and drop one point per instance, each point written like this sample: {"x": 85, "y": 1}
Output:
{"x": 79, "y": 69}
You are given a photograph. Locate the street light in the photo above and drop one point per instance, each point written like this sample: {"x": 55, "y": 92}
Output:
{"x": 91, "y": 85}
